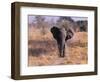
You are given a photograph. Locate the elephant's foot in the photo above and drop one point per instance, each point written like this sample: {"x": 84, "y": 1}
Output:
{"x": 62, "y": 55}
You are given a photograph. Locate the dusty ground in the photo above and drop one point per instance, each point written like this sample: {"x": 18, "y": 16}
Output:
{"x": 42, "y": 49}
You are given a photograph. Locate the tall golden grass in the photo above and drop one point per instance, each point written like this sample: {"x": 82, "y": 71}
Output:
{"x": 43, "y": 50}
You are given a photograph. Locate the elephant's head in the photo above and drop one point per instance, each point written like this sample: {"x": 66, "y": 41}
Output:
{"x": 61, "y": 35}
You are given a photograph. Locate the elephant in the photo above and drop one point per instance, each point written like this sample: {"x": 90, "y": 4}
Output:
{"x": 61, "y": 35}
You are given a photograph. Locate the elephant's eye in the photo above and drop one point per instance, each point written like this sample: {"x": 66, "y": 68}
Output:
{"x": 69, "y": 36}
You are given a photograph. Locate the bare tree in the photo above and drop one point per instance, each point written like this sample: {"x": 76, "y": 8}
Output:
{"x": 83, "y": 25}
{"x": 41, "y": 24}
{"x": 65, "y": 22}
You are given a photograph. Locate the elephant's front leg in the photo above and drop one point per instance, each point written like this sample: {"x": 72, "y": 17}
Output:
{"x": 61, "y": 49}
{"x": 64, "y": 50}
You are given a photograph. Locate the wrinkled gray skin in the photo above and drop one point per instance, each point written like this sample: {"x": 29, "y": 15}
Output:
{"x": 61, "y": 35}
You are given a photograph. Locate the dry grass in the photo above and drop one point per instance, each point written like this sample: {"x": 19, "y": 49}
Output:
{"x": 42, "y": 49}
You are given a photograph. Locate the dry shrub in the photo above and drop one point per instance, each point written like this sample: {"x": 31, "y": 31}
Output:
{"x": 42, "y": 49}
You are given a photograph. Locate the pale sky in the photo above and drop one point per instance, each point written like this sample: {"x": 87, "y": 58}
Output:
{"x": 55, "y": 18}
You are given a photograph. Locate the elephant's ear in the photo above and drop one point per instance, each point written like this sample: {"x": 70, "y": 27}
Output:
{"x": 70, "y": 34}
{"x": 55, "y": 31}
